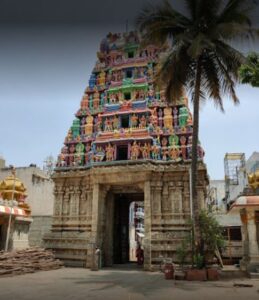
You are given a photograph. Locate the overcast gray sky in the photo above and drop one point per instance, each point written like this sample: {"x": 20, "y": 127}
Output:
{"x": 47, "y": 52}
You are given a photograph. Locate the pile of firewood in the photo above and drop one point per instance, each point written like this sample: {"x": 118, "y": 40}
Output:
{"x": 27, "y": 261}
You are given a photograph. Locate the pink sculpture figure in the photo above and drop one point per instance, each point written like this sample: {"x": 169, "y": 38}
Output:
{"x": 87, "y": 153}
{"x": 153, "y": 117}
{"x": 134, "y": 151}
{"x": 84, "y": 102}
{"x": 183, "y": 146}
{"x": 107, "y": 125}
{"x": 160, "y": 118}
{"x": 145, "y": 151}
{"x": 143, "y": 122}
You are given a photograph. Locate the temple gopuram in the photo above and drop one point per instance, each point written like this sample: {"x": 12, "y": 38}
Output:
{"x": 127, "y": 144}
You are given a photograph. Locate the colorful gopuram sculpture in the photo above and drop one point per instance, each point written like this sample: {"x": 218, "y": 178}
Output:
{"x": 127, "y": 142}
{"x": 122, "y": 105}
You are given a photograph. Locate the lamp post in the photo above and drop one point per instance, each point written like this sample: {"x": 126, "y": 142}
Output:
{"x": 10, "y": 215}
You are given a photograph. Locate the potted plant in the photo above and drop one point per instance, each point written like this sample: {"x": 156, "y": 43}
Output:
{"x": 197, "y": 272}
{"x": 211, "y": 240}
{"x": 211, "y": 235}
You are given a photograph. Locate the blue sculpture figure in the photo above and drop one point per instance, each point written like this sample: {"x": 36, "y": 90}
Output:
{"x": 156, "y": 149}
{"x": 92, "y": 81}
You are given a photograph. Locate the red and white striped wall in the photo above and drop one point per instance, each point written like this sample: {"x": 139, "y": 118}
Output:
{"x": 13, "y": 210}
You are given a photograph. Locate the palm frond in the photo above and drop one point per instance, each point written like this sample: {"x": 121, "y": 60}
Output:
{"x": 211, "y": 83}
{"x": 157, "y": 23}
{"x": 228, "y": 61}
{"x": 174, "y": 71}
{"x": 237, "y": 11}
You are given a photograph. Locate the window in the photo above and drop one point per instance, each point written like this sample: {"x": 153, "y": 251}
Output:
{"x": 129, "y": 74}
{"x": 124, "y": 121}
{"x": 122, "y": 152}
{"x": 127, "y": 96}
{"x": 232, "y": 233}
{"x": 130, "y": 54}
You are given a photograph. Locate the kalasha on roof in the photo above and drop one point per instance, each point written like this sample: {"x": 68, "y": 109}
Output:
{"x": 124, "y": 115}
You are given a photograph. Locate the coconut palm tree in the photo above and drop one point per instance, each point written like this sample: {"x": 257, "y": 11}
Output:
{"x": 249, "y": 71}
{"x": 200, "y": 58}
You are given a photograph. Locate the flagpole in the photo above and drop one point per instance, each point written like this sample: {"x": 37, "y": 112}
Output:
{"x": 10, "y": 215}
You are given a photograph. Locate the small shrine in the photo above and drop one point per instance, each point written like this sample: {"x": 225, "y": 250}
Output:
{"x": 13, "y": 202}
{"x": 127, "y": 143}
{"x": 247, "y": 206}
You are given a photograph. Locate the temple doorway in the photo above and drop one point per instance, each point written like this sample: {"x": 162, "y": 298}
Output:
{"x": 126, "y": 225}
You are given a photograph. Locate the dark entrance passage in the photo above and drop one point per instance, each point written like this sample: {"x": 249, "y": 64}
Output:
{"x": 123, "y": 223}
{"x": 121, "y": 229}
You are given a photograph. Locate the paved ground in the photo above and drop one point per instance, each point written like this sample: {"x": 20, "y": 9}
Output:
{"x": 77, "y": 284}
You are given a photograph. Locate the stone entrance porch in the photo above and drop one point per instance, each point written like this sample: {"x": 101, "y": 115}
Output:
{"x": 84, "y": 208}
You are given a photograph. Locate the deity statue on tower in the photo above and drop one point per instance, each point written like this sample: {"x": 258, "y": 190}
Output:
{"x": 145, "y": 149}
{"x": 89, "y": 125}
{"x": 134, "y": 151}
{"x": 183, "y": 116}
{"x": 109, "y": 152}
{"x": 134, "y": 121}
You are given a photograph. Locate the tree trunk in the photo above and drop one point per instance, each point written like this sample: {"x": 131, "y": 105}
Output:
{"x": 194, "y": 165}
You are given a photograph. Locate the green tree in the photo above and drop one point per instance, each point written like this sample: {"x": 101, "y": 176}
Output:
{"x": 200, "y": 58}
{"x": 211, "y": 240}
{"x": 249, "y": 71}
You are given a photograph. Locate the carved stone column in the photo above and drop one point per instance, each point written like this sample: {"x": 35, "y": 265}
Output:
{"x": 166, "y": 205}
{"x": 58, "y": 193}
{"x": 252, "y": 240}
{"x": 75, "y": 202}
{"x": 156, "y": 200}
{"x": 66, "y": 202}
{"x": 83, "y": 201}
{"x": 148, "y": 224}
{"x": 109, "y": 226}
{"x": 95, "y": 211}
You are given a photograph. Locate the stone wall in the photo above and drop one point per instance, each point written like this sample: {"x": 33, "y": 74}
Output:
{"x": 38, "y": 228}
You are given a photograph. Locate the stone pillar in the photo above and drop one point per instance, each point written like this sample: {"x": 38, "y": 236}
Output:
{"x": 66, "y": 202}
{"x": 156, "y": 201}
{"x": 108, "y": 234}
{"x": 95, "y": 211}
{"x": 58, "y": 193}
{"x": 75, "y": 202}
{"x": 94, "y": 228}
{"x": 89, "y": 205}
{"x": 148, "y": 225}
{"x": 175, "y": 195}
{"x": 252, "y": 238}
{"x": 83, "y": 201}
{"x": 250, "y": 259}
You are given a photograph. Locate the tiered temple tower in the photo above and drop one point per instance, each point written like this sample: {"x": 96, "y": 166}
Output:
{"x": 127, "y": 143}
